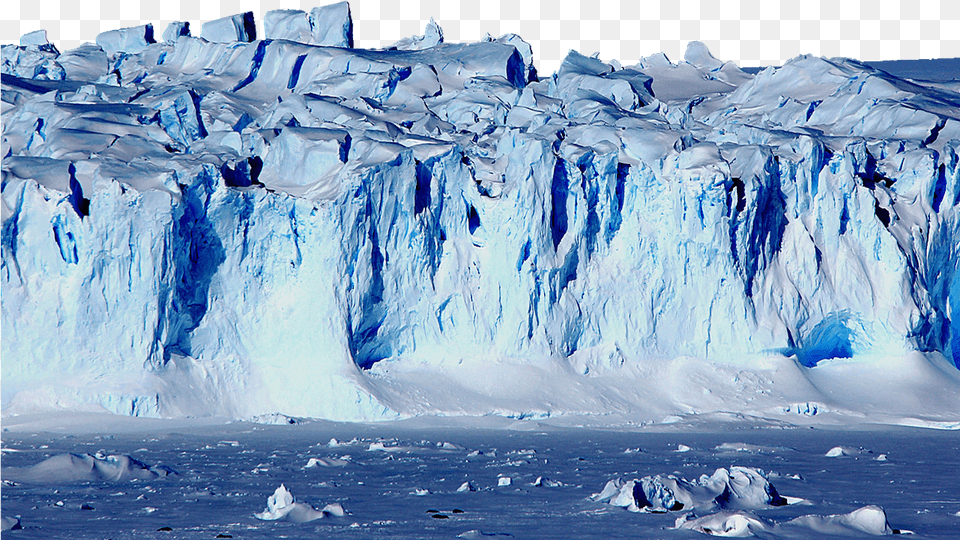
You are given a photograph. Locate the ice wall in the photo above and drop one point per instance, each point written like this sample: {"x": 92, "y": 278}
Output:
{"x": 207, "y": 226}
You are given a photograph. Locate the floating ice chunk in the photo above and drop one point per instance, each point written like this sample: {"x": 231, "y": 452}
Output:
{"x": 870, "y": 520}
{"x": 326, "y": 462}
{"x": 476, "y": 533}
{"x": 335, "y": 510}
{"x": 648, "y": 494}
{"x": 845, "y": 451}
{"x": 281, "y": 506}
{"x": 332, "y": 25}
{"x": 543, "y": 481}
{"x": 127, "y": 40}
{"x": 239, "y": 27}
{"x": 420, "y": 492}
{"x": 87, "y": 468}
{"x": 8, "y": 523}
{"x": 37, "y": 37}
{"x": 736, "y": 488}
{"x": 609, "y": 491}
{"x": 334, "y": 443}
{"x": 466, "y": 486}
{"x": 746, "y": 447}
{"x": 744, "y": 488}
{"x": 725, "y": 524}
{"x": 432, "y": 36}
{"x": 449, "y": 446}
{"x": 175, "y": 30}
{"x": 682, "y": 448}
{"x": 504, "y": 481}
{"x": 867, "y": 520}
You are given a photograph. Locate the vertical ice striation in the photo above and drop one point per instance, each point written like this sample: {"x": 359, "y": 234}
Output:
{"x": 226, "y": 225}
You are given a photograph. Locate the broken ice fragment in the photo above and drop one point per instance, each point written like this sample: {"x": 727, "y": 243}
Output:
{"x": 332, "y": 25}
{"x": 432, "y": 36}
{"x": 281, "y": 506}
{"x": 239, "y": 27}
{"x": 37, "y": 37}
{"x": 127, "y": 40}
{"x": 175, "y": 30}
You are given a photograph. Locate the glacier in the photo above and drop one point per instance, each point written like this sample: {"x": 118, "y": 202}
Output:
{"x": 235, "y": 226}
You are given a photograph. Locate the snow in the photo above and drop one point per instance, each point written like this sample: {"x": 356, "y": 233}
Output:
{"x": 438, "y": 229}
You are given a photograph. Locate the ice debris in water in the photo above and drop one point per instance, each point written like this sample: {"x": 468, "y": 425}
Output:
{"x": 219, "y": 224}
{"x": 282, "y": 506}
{"x": 543, "y": 481}
{"x": 846, "y": 451}
{"x": 870, "y": 520}
{"x": 736, "y": 488}
{"x": 87, "y": 468}
{"x": 8, "y": 523}
{"x": 327, "y": 462}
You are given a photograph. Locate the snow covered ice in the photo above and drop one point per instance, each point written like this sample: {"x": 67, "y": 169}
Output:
{"x": 282, "y": 506}
{"x": 261, "y": 222}
{"x": 233, "y": 226}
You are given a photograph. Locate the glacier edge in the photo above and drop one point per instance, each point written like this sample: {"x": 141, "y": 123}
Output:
{"x": 242, "y": 228}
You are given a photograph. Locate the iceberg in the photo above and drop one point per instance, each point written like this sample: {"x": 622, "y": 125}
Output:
{"x": 740, "y": 488}
{"x": 282, "y": 506}
{"x": 227, "y": 225}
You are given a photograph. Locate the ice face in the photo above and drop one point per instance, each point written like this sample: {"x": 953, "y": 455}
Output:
{"x": 225, "y": 225}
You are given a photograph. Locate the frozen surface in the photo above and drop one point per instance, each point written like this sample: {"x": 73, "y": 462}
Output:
{"x": 280, "y": 228}
{"x": 226, "y": 473}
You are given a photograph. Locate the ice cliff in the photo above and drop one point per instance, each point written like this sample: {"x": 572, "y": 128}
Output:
{"x": 231, "y": 225}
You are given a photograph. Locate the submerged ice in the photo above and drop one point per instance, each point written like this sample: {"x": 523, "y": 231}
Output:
{"x": 239, "y": 226}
